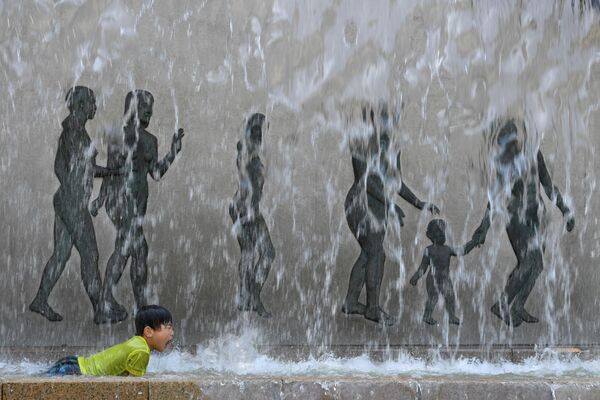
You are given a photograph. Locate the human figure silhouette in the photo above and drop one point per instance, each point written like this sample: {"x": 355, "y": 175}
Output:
{"x": 436, "y": 260}
{"x": 368, "y": 205}
{"x": 125, "y": 199}
{"x": 257, "y": 251}
{"x": 524, "y": 206}
{"x": 75, "y": 166}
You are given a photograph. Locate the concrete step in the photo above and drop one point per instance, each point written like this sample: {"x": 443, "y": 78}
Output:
{"x": 315, "y": 387}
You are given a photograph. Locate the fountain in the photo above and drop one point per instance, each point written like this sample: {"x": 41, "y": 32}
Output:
{"x": 334, "y": 153}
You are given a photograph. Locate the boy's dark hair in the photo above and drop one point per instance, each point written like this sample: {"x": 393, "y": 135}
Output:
{"x": 153, "y": 316}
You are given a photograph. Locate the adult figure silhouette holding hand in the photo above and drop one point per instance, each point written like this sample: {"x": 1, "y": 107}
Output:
{"x": 368, "y": 204}
{"x": 517, "y": 195}
{"x": 126, "y": 199}
{"x": 75, "y": 166}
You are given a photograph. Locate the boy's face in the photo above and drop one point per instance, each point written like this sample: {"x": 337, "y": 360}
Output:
{"x": 159, "y": 339}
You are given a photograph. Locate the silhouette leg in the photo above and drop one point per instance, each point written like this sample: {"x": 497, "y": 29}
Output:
{"x": 432, "y": 299}
{"x": 502, "y": 309}
{"x": 357, "y": 281}
{"x": 535, "y": 262}
{"x": 245, "y": 268}
{"x": 266, "y": 255}
{"x": 374, "y": 276}
{"x": 54, "y": 268}
{"x": 110, "y": 310}
{"x": 247, "y": 256}
{"x": 518, "y": 236}
{"x": 450, "y": 300}
{"x": 85, "y": 243}
{"x": 114, "y": 270}
{"x": 139, "y": 269}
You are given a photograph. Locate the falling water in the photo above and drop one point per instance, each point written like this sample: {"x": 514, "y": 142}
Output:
{"x": 448, "y": 71}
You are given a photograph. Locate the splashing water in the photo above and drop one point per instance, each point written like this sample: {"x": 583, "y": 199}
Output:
{"x": 232, "y": 356}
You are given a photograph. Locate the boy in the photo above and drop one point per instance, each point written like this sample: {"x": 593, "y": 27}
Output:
{"x": 438, "y": 279}
{"x": 153, "y": 331}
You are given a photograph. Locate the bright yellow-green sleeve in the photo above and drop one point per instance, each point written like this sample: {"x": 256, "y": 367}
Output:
{"x": 136, "y": 363}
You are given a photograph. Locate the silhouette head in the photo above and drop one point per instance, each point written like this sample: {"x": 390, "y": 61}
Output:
{"x": 436, "y": 231}
{"x": 254, "y": 131}
{"x": 508, "y": 141}
{"x": 81, "y": 100}
{"x": 138, "y": 105}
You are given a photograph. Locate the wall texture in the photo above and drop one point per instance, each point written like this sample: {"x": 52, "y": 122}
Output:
{"x": 452, "y": 66}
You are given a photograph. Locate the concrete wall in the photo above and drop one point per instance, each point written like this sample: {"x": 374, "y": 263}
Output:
{"x": 210, "y": 64}
{"x": 304, "y": 387}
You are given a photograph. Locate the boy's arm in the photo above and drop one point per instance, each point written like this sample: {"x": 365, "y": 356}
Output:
{"x": 421, "y": 270}
{"x": 159, "y": 169}
{"x": 137, "y": 362}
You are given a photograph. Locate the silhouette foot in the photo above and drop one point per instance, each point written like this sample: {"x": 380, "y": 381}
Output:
{"x": 376, "y": 314}
{"x": 106, "y": 315}
{"x": 353, "y": 308}
{"x": 512, "y": 318}
{"x": 244, "y": 304}
{"x": 526, "y": 317}
{"x": 43, "y": 308}
{"x": 454, "y": 320}
{"x": 428, "y": 320}
{"x": 515, "y": 319}
{"x": 500, "y": 313}
{"x": 115, "y": 306}
{"x": 260, "y": 309}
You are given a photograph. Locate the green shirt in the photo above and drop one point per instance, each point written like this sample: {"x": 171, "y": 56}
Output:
{"x": 130, "y": 357}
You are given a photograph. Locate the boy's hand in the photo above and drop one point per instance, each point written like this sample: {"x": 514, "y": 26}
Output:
{"x": 414, "y": 280}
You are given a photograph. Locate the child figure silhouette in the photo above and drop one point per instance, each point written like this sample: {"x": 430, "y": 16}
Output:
{"x": 437, "y": 256}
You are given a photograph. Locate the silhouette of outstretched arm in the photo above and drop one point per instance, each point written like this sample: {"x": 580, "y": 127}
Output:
{"x": 466, "y": 249}
{"x": 481, "y": 231}
{"x": 115, "y": 165}
{"x": 552, "y": 191}
{"x": 159, "y": 169}
{"x": 422, "y": 269}
{"x": 410, "y": 197}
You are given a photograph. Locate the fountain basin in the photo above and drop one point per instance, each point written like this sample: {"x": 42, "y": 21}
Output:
{"x": 278, "y": 373}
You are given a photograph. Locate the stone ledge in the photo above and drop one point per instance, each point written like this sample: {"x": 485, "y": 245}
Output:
{"x": 322, "y": 388}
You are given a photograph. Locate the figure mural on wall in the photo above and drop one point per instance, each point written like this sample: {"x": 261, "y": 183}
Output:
{"x": 125, "y": 199}
{"x": 367, "y": 206}
{"x": 257, "y": 251}
{"x": 436, "y": 260}
{"x": 522, "y": 172}
{"x": 75, "y": 166}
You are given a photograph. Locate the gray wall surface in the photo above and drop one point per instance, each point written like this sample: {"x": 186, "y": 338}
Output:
{"x": 210, "y": 64}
